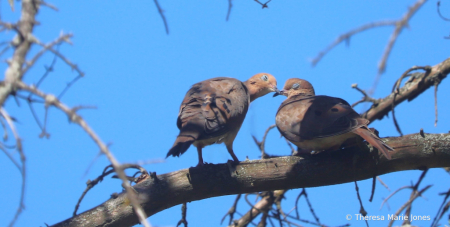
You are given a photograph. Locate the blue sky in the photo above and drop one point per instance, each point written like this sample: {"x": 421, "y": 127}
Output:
{"x": 136, "y": 76}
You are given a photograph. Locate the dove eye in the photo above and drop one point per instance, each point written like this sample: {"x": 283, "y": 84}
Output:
{"x": 265, "y": 77}
{"x": 295, "y": 86}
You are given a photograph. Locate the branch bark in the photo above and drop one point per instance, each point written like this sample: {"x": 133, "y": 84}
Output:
{"x": 328, "y": 168}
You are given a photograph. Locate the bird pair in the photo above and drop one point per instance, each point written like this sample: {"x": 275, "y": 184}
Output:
{"x": 213, "y": 111}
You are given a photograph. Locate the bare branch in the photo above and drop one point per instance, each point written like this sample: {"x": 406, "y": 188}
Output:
{"x": 411, "y": 151}
{"x": 366, "y": 97}
{"x": 417, "y": 84}
{"x": 346, "y": 37}
{"x": 399, "y": 25}
{"x": 51, "y": 100}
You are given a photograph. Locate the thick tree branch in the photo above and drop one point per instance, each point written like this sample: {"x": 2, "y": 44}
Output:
{"x": 327, "y": 168}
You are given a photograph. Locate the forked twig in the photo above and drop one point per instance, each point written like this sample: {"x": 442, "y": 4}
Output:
{"x": 183, "y": 216}
{"x": 264, "y": 5}
{"x": 365, "y": 98}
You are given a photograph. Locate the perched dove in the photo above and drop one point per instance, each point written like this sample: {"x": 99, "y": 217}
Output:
{"x": 213, "y": 111}
{"x": 320, "y": 122}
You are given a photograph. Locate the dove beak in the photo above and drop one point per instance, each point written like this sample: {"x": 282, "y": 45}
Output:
{"x": 282, "y": 92}
{"x": 275, "y": 89}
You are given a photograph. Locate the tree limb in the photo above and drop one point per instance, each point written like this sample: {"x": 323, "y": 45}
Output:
{"x": 416, "y": 85}
{"x": 326, "y": 168}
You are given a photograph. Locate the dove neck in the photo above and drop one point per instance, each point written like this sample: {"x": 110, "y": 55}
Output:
{"x": 303, "y": 92}
{"x": 253, "y": 90}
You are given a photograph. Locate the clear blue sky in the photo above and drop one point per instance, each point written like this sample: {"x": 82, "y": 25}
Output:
{"x": 136, "y": 76}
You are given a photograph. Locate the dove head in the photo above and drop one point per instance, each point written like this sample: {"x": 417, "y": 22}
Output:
{"x": 260, "y": 85}
{"x": 295, "y": 86}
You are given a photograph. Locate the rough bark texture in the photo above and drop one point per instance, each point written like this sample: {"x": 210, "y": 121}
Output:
{"x": 327, "y": 168}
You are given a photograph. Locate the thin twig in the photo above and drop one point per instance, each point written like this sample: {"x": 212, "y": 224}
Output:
{"x": 382, "y": 183}
{"x": 346, "y": 37}
{"x": 22, "y": 160}
{"x": 89, "y": 185}
{"x": 397, "y": 91}
{"x": 408, "y": 203}
{"x": 232, "y": 210}
{"x": 11, "y": 158}
{"x": 393, "y": 193}
{"x": 407, "y": 73}
{"x": 264, "y": 5}
{"x": 45, "y": 48}
{"x": 442, "y": 209}
{"x": 414, "y": 191}
{"x": 366, "y": 97}
{"x": 362, "y": 211}
{"x": 439, "y": 11}
{"x": 161, "y": 12}
{"x": 183, "y": 216}
{"x": 261, "y": 145}
{"x": 397, "y": 126}
{"x": 310, "y": 206}
{"x": 436, "y": 84}
{"x": 48, "y": 5}
{"x": 69, "y": 85}
{"x": 230, "y": 5}
{"x": 374, "y": 183}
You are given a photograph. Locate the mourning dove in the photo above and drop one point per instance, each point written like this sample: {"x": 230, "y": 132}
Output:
{"x": 213, "y": 111}
{"x": 318, "y": 123}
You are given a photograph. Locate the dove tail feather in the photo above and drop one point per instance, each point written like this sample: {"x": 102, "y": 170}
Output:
{"x": 374, "y": 141}
{"x": 182, "y": 143}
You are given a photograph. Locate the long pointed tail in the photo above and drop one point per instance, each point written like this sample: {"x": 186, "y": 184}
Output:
{"x": 374, "y": 140}
{"x": 182, "y": 143}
